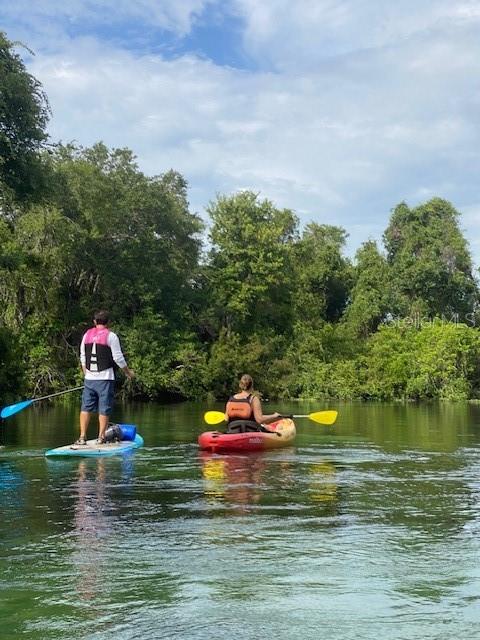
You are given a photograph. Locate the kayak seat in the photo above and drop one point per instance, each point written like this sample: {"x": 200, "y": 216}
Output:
{"x": 243, "y": 426}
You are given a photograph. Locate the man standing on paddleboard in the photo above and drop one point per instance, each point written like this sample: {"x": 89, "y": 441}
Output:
{"x": 99, "y": 350}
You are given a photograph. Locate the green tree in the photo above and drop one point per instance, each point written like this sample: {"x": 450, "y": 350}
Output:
{"x": 141, "y": 238}
{"x": 10, "y": 366}
{"x": 24, "y": 113}
{"x": 249, "y": 271}
{"x": 108, "y": 237}
{"x": 370, "y": 295}
{"x": 447, "y": 364}
{"x": 323, "y": 275}
{"x": 435, "y": 360}
{"x": 431, "y": 267}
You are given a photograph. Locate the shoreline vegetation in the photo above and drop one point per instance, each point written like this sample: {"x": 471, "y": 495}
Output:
{"x": 197, "y": 303}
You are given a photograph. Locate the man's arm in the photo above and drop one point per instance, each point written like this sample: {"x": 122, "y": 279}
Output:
{"x": 118, "y": 357}
{"x": 83, "y": 359}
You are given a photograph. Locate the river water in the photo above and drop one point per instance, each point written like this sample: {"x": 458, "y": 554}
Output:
{"x": 368, "y": 529}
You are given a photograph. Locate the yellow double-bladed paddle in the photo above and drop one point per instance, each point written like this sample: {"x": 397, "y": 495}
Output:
{"x": 322, "y": 417}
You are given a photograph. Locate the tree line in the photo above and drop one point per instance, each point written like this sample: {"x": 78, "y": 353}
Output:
{"x": 197, "y": 304}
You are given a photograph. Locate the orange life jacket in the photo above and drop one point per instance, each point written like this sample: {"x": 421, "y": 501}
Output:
{"x": 240, "y": 409}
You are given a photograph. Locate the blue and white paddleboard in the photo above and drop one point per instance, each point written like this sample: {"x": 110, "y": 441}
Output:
{"x": 92, "y": 449}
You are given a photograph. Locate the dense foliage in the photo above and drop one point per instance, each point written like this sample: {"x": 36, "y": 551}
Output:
{"x": 260, "y": 294}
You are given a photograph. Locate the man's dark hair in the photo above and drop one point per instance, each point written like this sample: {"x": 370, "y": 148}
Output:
{"x": 101, "y": 317}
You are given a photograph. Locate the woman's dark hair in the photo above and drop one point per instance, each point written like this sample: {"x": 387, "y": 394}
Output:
{"x": 101, "y": 317}
{"x": 246, "y": 382}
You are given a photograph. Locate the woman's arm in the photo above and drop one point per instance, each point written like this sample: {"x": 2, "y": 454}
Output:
{"x": 259, "y": 415}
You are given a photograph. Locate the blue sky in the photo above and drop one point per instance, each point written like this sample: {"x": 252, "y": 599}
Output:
{"x": 338, "y": 109}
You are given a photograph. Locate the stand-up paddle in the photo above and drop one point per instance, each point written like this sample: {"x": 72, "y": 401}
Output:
{"x": 322, "y": 417}
{"x": 12, "y": 409}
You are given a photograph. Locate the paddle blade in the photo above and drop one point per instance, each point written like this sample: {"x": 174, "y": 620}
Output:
{"x": 324, "y": 417}
{"x": 14, "y": 408}
{"x": 214, "y": 417}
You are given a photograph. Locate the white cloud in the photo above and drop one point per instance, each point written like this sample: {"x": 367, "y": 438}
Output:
{"x": 304, "y": 33}
{"x": 173, "y": 15}
{"x": 340, "y": 137}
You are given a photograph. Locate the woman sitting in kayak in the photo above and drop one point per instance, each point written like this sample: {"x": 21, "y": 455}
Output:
{"x": 244, "y": 410}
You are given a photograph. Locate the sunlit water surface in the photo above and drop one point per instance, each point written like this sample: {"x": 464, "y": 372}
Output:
{"x": 368, "y": 529}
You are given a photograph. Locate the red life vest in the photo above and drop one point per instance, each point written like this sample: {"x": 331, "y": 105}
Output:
{"x": 98, "y": 355}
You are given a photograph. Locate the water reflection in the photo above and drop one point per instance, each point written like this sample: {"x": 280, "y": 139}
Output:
{"x": 435, "y": 426}
{"x": 248, "y": 482}
{"x": 235, "y": 479}
{"x": 91, "y": 528}
{"x": 97, "y": 498}
{"x": 323, "y": 482}
{"x": 12, "y": 497}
